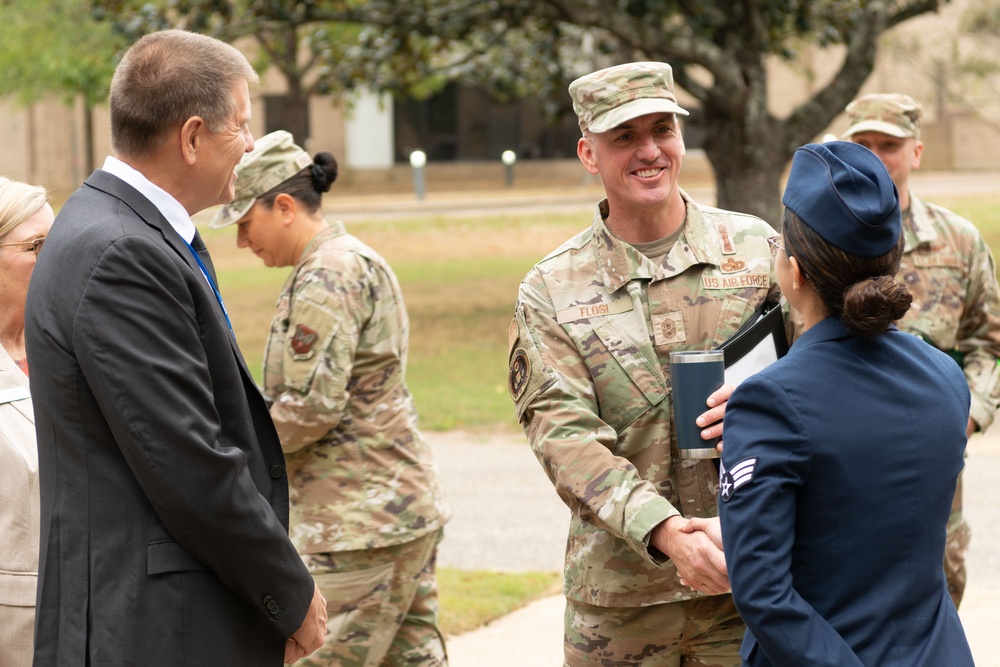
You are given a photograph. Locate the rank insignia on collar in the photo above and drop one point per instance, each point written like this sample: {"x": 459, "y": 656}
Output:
{"x": 303, "y": 339}
{"x": 739, "y": 475}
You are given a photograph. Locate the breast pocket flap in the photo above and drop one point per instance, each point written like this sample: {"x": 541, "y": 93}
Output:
{"x": 168, "y": 556}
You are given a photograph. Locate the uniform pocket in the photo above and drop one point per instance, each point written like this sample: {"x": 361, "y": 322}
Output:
{"x": 627, "y": 382}
{"x": 352, "y": 594}
{"x": 17, "y": 590}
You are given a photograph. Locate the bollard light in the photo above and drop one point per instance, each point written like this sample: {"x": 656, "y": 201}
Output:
{"x": 417, "y": 160}
{"x": 508, "y": 158}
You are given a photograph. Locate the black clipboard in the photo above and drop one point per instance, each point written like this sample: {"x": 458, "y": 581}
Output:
{"x": 758, "y": 344}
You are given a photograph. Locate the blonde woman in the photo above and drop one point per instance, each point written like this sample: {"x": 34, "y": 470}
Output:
{"x": 25, "y": 218}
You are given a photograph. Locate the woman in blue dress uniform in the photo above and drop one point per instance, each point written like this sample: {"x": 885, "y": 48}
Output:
{"x": 840, "y": 460}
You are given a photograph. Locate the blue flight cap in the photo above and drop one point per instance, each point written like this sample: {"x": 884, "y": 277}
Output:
{"x": 842, "y": 191}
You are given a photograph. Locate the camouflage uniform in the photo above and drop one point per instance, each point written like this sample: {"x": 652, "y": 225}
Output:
{"x": 366, "y": 505}
{"x": 950, "y": 272}
{"x": 593, "y": 327}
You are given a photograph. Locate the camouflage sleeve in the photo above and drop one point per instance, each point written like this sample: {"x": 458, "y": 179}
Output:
{"x": 978, "y": 338}
{"x": 328, "y": 307}
{"x": 556, "y": 404}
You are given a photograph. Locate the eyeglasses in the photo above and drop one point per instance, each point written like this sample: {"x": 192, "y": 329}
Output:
{"x": 775, "y": 246}
{"x": 36, "y": 245}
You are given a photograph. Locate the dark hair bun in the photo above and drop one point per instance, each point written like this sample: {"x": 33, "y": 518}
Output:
{"x": 872, "y": 305}
{"x": 324, "y": 171}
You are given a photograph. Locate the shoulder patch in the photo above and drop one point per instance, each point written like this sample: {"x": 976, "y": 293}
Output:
{"x": 303, "y": 339}
{"x": 740, "y": 475}
{"x": 520, "y": 371}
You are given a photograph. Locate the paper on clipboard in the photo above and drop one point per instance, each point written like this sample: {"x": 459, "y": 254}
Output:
{"x": 757, "y": 345}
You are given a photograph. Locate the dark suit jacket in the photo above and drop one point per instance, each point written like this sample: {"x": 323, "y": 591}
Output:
{"x": 840, "y": 467}
{"x": 163, "y": 494}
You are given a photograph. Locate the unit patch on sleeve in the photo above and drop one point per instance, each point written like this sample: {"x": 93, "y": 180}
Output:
{"x": 303, "y": 339}
{"x": 520, "y": 371}
{"x": 739, "y": 475}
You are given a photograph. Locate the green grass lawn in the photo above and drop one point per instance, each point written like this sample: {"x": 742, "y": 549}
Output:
{"x": 469, "y": 599}
{"x": 983, "y": 210}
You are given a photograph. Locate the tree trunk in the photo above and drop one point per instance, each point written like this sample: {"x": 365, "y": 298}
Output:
{"x": 747, "y": 171}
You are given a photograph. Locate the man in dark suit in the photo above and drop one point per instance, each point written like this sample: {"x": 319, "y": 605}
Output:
{"x": 164, "y": 497}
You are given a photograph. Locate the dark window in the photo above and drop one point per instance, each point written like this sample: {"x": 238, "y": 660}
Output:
{"x": 282, "y": 114}
{"x": 468, "y": 124}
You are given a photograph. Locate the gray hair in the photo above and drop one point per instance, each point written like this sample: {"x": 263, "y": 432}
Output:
{"x": 167, "y": 77}
{"x": 18, "y": 202}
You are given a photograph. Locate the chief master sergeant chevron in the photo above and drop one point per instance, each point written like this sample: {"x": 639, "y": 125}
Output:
{"x": 593, "y": 328}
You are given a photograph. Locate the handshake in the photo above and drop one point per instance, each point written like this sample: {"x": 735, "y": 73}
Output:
{"x": 695, "y": 547}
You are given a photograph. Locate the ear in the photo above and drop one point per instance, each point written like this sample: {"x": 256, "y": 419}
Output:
{"x": 192, "y": 132}
{"x": 585, "y": 151}
{"x": 918, "y": 151}
{"x": 798, "y": 276}
{"x": 287, "y": 207}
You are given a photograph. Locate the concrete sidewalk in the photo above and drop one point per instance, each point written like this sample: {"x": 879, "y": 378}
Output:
{"x": 529, "y": 511}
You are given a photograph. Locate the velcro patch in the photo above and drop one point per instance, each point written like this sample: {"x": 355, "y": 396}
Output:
{"x": 740, "y": 475}
{"x": 725, "y": 238}
{"x": 668, "y": 329}
{"x": 585, "y": 311}
{"x": 710, "y": 281}
{"x": 520, "y": 371}
{"x": 303, "y": 339}
{"x": 733, "y": 265}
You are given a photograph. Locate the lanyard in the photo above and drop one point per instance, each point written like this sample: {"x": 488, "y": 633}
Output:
{"x": 215, "y": 289}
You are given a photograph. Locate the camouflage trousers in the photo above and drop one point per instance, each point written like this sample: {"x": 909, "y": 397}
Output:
{"x": 381, "y": 605}
{"x": 706, "y": 632}
{"x": 955, "y": 546}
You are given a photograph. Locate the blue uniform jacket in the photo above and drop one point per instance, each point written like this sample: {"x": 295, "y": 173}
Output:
{"x": 840, "y": 463}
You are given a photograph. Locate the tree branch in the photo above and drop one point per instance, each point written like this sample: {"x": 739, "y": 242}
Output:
{"x": 909, "y": 10}
{"x": 825, "y": 105}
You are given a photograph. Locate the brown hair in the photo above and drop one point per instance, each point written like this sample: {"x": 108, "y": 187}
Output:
{"x": 862, "y": 291}
{"x": 308, "y": 184}
{"x": 167, "y": 77}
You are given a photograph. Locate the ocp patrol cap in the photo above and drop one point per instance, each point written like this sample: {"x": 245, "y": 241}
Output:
{"x": 274, "y": 159}
{"x": 609, "y": 97}
{"x": 894, "y": 114}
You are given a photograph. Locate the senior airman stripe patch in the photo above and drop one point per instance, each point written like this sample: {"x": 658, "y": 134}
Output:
{"x": 730, "y": 480}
